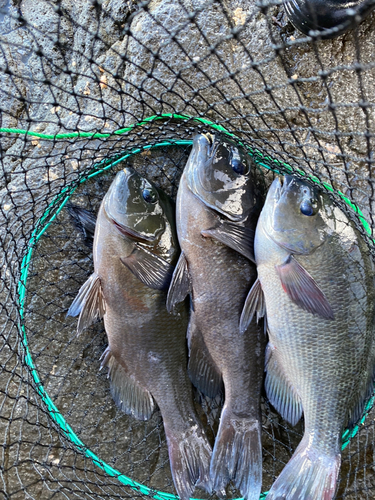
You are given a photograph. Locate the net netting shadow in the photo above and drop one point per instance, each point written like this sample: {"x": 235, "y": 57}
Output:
{"x": 89, "y": 86}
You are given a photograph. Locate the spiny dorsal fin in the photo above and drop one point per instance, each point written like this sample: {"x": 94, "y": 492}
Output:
{"x": 89, "y": 303}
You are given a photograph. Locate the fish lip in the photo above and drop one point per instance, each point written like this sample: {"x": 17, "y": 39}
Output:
{"x": 130, "y": 233}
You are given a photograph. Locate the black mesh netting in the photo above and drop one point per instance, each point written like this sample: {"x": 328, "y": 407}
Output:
{"x": 91, "y": 70}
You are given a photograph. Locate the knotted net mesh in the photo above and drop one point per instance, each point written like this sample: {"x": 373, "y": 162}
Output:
{"x": 87, "y": 86}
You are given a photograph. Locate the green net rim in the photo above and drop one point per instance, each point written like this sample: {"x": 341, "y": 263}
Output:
{"x": 58, "y": 203}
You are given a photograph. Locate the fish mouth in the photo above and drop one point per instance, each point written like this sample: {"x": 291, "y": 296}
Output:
{"x": 130, "y": 233}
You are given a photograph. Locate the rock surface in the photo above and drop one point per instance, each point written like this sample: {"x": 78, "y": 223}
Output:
{"x": 96, "y": 67}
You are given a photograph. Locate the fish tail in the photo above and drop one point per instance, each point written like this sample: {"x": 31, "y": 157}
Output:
{"x": 237, "y": 456}
{"x": 308, "y": 474}
{"x": 189, "y": 456}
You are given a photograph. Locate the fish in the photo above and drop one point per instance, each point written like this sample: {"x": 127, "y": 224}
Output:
{"x": 316, "y": 288}
{"x": 84, "y": 220}
{"x": 135, "y": 249}
{"x": 216, "y": 211}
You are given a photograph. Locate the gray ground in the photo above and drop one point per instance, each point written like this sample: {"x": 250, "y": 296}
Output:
{"x": 69, "y": 66}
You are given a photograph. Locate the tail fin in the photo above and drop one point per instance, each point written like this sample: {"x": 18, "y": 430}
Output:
{"x": 237, "y": 456}
{"x": 189, "y": 456}
{"x": 84, "y": 220}
{"x": 308, "y": 474}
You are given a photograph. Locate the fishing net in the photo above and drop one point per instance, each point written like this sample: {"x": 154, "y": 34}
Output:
{"x": 88, "y": 86}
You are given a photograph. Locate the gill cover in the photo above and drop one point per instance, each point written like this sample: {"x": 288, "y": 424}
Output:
{"x": 296, "y": 215}
{"x": 133, "y": 204}
{"x": 218, "y": 173}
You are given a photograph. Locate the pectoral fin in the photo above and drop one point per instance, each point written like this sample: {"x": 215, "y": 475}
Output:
{"x": 302, "y": 288}
{"x": 89, "y": 303}
{"x": 254, "y": 304}
{"x": 240, "y": 239}
{"x": 152, "y": 270}
{"x": 129, "y": 396}
{"x": 180, "y": 285}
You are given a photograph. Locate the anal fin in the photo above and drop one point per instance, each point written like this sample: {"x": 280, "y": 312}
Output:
{"x": 129, "y": 396}
{"x": 279, "y": 389}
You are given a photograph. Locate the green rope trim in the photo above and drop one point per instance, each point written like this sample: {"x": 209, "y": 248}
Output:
{"x": 98, "y": 135}
{"x": 45, "y": 221}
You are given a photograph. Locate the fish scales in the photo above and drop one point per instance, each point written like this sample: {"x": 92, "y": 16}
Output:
{"x": 329, "y": 363}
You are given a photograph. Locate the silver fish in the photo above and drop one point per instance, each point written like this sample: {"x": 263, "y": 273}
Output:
{"x": 316, "y": 282}
{"x": 135, "y": 247}
{"x": 217, "y": 209}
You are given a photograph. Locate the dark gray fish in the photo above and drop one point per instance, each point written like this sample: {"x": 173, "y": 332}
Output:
{"x": 135, "y": 248}
{"x": 216, "y": 217}
{"x": 84, "y": 220}
{"x": 316, "y": 281}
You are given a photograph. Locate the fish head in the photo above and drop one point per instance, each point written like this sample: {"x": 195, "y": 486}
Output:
{"x": 296, "y": 215}
{"x": 219, "y": 173}
{"x": 135, "y": 207}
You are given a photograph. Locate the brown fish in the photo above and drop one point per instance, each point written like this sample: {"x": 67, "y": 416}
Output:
{"x": 217, "y": 210}
{"x": 316, "y": 281}
{"x": 135, "y": 247}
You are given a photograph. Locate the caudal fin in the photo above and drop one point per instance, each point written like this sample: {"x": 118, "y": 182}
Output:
{"x": 189, "y": 456}
{"x": 308, "y": 475}
{"x": 237, "y": 456}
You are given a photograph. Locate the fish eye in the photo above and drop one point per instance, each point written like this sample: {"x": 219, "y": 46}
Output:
{"x": 306, "y": 208}
{"x": 149, "y": 196}
{"x": 238, "y": 166}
